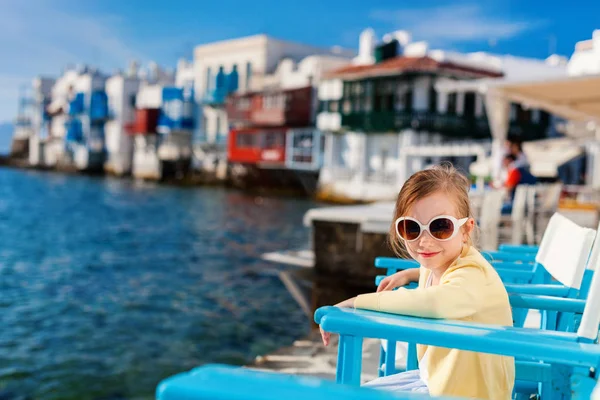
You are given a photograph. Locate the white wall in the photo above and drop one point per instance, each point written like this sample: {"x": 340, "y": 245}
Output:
{"x": 240, "y": 52}
{"x": 149, "y": 96}
{"x": 308, "y": 71}
{"x": 89, "y": 82}
{"x": 185, "y": 74}
{"x": 119, "y": 144}
{"x": 331, "y": 89}
{"x": 421, "y": 93}
{"x": 586, "y": 58}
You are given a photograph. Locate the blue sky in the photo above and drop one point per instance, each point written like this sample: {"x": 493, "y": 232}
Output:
{"x": 42, "y": 36}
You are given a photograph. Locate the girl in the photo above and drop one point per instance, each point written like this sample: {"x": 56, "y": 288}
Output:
{"x": 433, "y": 224}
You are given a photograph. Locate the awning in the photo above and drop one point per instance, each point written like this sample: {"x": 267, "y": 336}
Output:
{"x": 576, "y": 98}
{"x": 545, "y": 156}
{"x": 573, "y": 98}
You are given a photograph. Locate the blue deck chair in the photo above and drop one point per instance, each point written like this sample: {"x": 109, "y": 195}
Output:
{"x": 564, "y": 239}
{"x": 221, "y": 382}
{"x": 564, "y": 363}
{"x": 519, "y": 248}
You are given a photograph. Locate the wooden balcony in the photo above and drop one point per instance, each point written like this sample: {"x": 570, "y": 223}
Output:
{"x": 271, "y": 109}
{"x": 446, "y": 124}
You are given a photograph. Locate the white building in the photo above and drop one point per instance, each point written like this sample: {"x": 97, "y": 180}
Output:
{"x": 30, "y": 118}
{"x": 78, "y": 110}
{"x": 586, "y": 57}
{"x": 385, "y": 117}
{"x": 121, "y": 90}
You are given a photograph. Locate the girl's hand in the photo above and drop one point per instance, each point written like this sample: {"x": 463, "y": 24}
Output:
{"x": 346, "y": 303}
{"x": 326, "y": 336}
{"x": 393, "y": 281}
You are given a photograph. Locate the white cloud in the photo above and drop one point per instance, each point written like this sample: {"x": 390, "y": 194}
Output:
{"x": 447, "y": 25}
{"x": 39, "y": 38}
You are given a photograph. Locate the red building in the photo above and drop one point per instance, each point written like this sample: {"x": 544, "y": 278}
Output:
{"x": 266, "y": 128}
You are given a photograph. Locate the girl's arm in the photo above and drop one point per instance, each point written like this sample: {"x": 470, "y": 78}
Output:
{"x": 457, "y": 296}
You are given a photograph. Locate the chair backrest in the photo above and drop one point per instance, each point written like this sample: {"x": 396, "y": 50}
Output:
{"x": 564, "y": 250}
{"x": 550, "y": 197}
{"x": 588, "y": 328}
{"x": 519, "y": 203}
{"x": 489, "y": 218}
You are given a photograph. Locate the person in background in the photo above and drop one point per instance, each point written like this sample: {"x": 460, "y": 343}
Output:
{"x": 515, "y": 147}
{"x": 516, "y": 174}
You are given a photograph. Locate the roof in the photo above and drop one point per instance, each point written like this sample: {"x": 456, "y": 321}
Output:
{"x": 403, "y": 64}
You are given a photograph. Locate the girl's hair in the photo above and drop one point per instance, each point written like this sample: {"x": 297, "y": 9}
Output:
{"x": 439, "y": 178}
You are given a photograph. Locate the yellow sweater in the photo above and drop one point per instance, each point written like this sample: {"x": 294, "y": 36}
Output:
{"x": 469, "y": 290}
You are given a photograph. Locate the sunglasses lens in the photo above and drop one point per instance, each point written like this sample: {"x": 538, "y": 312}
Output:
{"x": 408, "y": 230}
{"x": 441, "y": 228}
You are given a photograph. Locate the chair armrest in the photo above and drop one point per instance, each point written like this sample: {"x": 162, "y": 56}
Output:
{"x": 397, "y": 263}
{"x": 515, "y": 275}
{"x": 509, "y": 256}
{"x": 521, "y": 248}
{"x": 547, "y": 303}
{"x": 555, "y": 290}
{"x": 526, "y": 343}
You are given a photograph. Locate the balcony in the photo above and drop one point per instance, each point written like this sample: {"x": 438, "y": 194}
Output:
{"x": 215, "y": 97}
{"x": 389, "y": 121}
{"x": 290, "y": 108}
{"x": 239, "y": 109}
{"x": 269, "y": 117}
{"x": 446, "y": 124}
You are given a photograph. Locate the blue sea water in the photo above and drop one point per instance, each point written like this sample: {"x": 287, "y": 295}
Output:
{"x": 108, "y": 286}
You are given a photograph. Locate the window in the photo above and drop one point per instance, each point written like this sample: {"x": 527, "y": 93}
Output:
{"x": 432, "y": 99}
{"x": 384, "y": 95}
{"x": 523, "y": 115}
{"x": 408, "y": 100}
{"x": 333, "y": 106}
{"x": 469, "y": 104}
{"x": 404, "y": 96}
{"x": 245, "y": 140}
{"x": 451, "y": 106}
{"x": 248, "y": 74}
{"x": 244, "y": 103}
{"x": 208, "y": 85}
{"x": 323, "y": 106}
{"x": 273, "y": 140}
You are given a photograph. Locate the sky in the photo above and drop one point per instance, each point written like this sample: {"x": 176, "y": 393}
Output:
{"x": 41, "y": 37}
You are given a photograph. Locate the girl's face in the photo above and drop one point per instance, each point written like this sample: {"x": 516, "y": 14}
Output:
{"x": 431, "y": 253}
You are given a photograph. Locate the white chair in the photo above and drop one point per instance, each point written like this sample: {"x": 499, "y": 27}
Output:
{"x": 489, "y": 219}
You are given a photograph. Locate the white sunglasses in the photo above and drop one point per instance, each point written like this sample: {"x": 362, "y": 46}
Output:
{"x": 442, "y": 227}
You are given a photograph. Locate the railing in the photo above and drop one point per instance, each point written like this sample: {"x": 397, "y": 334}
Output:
{"x": 447, "y": 124}
{"x": 215, "y": 96}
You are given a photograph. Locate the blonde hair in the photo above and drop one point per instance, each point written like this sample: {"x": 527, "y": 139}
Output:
{"x": 439, "y": 178}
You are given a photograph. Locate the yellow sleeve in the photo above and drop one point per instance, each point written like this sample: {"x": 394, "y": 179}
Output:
{"x": 457, "y": 296}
